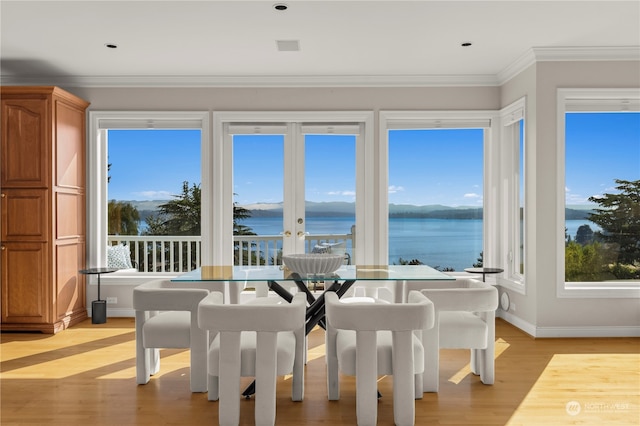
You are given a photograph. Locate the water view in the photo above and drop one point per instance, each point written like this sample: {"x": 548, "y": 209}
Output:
{"x": 445, "y": 243}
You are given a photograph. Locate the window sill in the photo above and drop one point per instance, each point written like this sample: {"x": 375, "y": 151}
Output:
{"x": 132, "y": 277}
{"x": 600, "y": 290}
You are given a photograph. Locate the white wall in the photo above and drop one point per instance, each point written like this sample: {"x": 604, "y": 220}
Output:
{"x": 540, "y": 307}
{"x": 539, "y": 311}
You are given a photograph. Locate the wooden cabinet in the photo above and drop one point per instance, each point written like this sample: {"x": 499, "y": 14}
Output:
{"x": 42, "y": 203}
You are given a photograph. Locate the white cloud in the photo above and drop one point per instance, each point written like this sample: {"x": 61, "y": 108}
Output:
{"x": 471, "y": 195}
{"x": 576, "y": 199}
{"x": 393, "y": 189}
{"x": 344, "y": 193}
{"x": 154, "y": 195}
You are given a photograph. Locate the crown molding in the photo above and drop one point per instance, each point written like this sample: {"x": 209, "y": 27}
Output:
{"x": 528, "y": 58}
{"x": 563, "y": 54}
{"x": 256, "y": 81}
{"x": 610, "y": 53}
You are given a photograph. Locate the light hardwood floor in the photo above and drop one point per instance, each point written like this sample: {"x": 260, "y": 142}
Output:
{"x": 86, "y": 375}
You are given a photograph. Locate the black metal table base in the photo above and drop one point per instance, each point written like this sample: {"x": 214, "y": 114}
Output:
{"x": 315, "y": 310}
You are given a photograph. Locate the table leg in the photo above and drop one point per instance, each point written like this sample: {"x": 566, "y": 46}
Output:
{"x": 315, "y": 312}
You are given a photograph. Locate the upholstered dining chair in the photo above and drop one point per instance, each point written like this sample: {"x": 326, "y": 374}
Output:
{"x": 166, "y": 317}
{"x": 464, "y": 319}
{"x": 263, "y": 339}
{"x": 376, "y": 338}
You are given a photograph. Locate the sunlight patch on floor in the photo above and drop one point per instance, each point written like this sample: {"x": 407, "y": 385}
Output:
{"x": 570, "y": 391}
{"x": 500, "y": 347}
{"x": 63, "y": 366}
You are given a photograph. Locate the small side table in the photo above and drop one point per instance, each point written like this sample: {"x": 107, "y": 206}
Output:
{"x": 483, "y": 271}
{"x": 98, "y": 307}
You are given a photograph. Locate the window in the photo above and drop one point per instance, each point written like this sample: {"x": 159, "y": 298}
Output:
{"x": 442, "y": 206}
{"x": 513, "y": 208}
{"x": 436, "y": 208}
{"x": 141, "y": 161}
{"x": 599, "y": 134}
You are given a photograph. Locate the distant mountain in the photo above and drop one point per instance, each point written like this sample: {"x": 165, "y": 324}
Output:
{"x": 338, "y": 208}
{"x": 313, "y": 209}
{"x": 577, "y": 214}
{"x": 345, "y": 209}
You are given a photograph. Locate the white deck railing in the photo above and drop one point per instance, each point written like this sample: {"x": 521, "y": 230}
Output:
{"x": 164, "y": 253}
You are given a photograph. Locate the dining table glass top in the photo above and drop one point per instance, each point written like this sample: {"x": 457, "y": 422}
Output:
{"x": 345, "y": 273}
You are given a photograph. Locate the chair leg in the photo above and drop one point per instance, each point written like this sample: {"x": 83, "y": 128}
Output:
{"x": 474, "y": 361}
{"x": 333, "y": 376}
{"x": 229, "y": 379}
{"x": 487, "y": 372}
{"x": 154, "y": 360}
{"x": 418, "y": 386}
{"x": 431, "y": 376}
{"x": 142, "y": 365}
{"x": 265, "y": 405}
{"x": 212, "y": 386}
{"x": 366, "y": 378}
{"x": 297, "y": 382}
{"x": 198, "y": 355}
{"x": 403, "y": 378}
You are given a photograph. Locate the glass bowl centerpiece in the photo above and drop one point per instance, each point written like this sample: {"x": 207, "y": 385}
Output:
{"x": 313, "y": 263}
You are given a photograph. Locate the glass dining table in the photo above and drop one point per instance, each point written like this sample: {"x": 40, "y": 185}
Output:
{"x": 340, "y": 281}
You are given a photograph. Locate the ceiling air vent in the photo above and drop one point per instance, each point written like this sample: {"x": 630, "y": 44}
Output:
{"x": 288, "y": 45}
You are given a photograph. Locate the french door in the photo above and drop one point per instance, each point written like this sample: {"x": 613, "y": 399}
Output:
{"x": 296, "y": 182}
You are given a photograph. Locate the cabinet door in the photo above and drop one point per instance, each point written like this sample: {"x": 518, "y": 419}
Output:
{"x": 25, "y": 143}
{"x": 25, "y": 215}
{"x": 24, "y": 283}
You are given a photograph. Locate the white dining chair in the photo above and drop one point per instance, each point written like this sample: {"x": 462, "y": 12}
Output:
{"x": 166, "y": 317}
{"x": 370, "y": 339}
{"x": 264, "y": 338}
{"x": 464, "y": 319}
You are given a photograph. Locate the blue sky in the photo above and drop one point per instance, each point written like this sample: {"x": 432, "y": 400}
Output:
{"x": 425, "y": 167}
{"x": 152, "y": 164}
{"x": 600, "y": 148}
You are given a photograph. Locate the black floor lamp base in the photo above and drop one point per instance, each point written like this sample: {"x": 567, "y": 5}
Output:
{"x": 98, "y": 311}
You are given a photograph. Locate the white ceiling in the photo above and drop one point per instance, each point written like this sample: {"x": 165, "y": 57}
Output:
{"x": 231, "y": 43}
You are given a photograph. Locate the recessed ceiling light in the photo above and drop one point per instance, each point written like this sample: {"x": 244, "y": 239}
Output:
{"x": 111, "y": 45}
{"x": 280, "y": 7}
{"x": 288, "y": 45}
{"x": 466, "y": 44}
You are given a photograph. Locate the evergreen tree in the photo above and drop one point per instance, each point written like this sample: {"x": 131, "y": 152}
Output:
{"x": 180, "y": 216}
{"x": 619, "y": 218}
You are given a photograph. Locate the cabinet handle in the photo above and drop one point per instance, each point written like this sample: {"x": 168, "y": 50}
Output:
{"x": 2, "y": 248}
{"x": 2, "y": 195}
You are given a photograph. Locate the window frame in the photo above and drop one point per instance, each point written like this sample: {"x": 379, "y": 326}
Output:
{"x": 97, "y": 159}
{"x": 512, "y": 118}
{"x": 485, "y": 119}
{"x": 586, "y": 100}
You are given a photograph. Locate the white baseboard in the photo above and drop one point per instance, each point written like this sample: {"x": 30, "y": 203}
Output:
{"x": 117, "y": 312}
{"x": 523, "y": 325}
{"x": 568, "y": 332}
{"x": 589, "y": 331}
